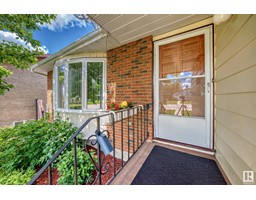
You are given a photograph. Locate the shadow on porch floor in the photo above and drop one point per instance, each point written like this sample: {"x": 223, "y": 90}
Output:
{"x": 127, "y": 175}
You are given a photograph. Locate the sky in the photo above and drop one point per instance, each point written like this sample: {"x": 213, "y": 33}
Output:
{"x": 62, "y": 32}
{"x": 55, "y": 36}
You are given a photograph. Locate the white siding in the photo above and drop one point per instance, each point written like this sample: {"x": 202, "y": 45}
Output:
{"x": 235, "y": 96}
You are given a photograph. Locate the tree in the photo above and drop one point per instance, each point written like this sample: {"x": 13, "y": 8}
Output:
{"x": 20, "y": 56}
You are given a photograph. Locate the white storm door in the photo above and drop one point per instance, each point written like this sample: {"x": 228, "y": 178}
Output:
{"x": 183, "y": 88}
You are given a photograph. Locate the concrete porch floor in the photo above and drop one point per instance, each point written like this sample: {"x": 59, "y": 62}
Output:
{"x": 126, "y": 176}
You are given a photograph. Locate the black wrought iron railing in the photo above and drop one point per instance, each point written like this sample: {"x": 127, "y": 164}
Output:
{"x": 126, "y": 129}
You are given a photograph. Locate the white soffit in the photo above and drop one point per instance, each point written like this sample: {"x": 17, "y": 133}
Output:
{"x": 129, "y": 27}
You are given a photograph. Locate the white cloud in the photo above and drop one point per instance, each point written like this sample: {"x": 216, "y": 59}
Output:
{"x": 44, "y": 49}
{"x": 64, "y": 21}
{"x": 12, "y": 37}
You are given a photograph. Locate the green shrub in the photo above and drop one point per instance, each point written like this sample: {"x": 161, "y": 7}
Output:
{"x": 17, "y": 177}
{"x": 21, "y": 146}
{"x": 32, "y": 144}
{"x": 57, "y": 134}
{"x": 65, "y": 166}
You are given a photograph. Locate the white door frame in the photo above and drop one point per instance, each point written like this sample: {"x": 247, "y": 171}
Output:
{"x": 207, "y": 31}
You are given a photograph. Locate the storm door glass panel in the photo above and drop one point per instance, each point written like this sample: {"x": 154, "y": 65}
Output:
{"x": 94, "y": 85}
{"x": 61, "y": 86}
{"x": 182, "y": 97}
{"x": 182, "y": 78}
{"x": 75, "y": 86}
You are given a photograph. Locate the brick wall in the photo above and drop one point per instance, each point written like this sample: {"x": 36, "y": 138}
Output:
{"x": 129, "y": 72}
{"x": 19, "y": 103}
{"x": 130, "y": 77}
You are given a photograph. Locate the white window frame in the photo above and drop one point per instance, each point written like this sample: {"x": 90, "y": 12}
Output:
{"x": 56, "y": 88}
{"x": 84, "y": 62}
{"x": 104, "y": 83}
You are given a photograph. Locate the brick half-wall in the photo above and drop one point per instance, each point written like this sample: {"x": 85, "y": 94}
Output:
{"x": 130, "y": 132}
{"x": 130, "y": 78}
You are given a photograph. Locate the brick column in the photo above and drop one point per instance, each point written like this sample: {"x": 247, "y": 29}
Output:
{"x": 130, "y": 76}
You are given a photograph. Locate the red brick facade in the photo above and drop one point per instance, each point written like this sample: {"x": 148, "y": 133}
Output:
{"x": 129, "y": 72}
{"x": 130, "y": 77}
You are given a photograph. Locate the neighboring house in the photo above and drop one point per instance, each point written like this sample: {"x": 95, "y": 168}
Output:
{"x": 18, "y": 105}
{"x": 199, "y": 76}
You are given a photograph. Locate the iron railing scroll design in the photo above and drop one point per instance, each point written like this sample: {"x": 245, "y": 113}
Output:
{"x": 100, "y": 164}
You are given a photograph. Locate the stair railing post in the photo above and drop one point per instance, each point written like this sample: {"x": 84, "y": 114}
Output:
{"x": 98, "y": 152}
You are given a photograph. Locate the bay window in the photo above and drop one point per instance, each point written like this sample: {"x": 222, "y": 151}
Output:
{"x": 80, "y": 85}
